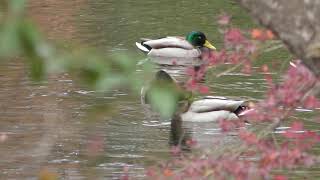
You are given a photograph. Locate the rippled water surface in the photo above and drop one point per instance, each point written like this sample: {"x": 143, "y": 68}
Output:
{"x": 53, "y": 127}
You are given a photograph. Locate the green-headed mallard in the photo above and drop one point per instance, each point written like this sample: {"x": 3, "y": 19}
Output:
{"x": 191, "y": 46}
{"x": 205, "y": 109}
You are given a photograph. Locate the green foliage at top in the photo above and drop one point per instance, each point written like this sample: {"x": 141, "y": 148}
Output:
{"x": 20, "y": 37}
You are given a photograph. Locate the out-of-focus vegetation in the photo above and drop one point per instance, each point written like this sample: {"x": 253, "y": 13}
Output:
{"x": 20, "y": 38}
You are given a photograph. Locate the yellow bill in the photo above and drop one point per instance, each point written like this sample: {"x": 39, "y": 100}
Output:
{"x": 209, "y": 45}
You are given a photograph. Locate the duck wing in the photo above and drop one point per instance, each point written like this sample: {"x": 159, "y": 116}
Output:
{"x": 173, "y": 52}
{"x": 173, "y": 42}
{"x": 208, "y": 116}
{"x": 207, "y": 105}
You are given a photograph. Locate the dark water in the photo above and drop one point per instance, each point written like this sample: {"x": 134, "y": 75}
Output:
{"x": 51, "y": 127}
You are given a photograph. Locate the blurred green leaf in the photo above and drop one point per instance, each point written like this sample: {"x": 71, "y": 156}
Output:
{"x": 30, "y": 38}
{"x": 111, "y": 81}
{"x": 101, "y": 111}
{"x": 124, "y": 62}
{"x": 164, "y": 94}
{"x": 164, "y": 100}
{"x": 37, "y": 69}
{"x": 90, "y": 74}
{"x": 9, "y": 39}
{"x": 33, "y": 47}
{"x": 16, "y": 7}
{"x": 19, "y": 36}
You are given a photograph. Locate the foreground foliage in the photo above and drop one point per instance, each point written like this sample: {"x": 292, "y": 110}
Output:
{"x": 260, "y": 153}
{"x": 19, "y": 37}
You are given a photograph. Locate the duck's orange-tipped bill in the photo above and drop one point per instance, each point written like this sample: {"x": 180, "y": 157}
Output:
{"x": 209, "y": 45}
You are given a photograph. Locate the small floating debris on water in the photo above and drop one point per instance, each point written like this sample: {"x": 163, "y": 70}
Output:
{"x": 59, "y": 161}
{"x": 303, "y": 110}
{"x": 83, "y": 92}
{"x": 65, "y": 80}
{"x": 282, "y": 130}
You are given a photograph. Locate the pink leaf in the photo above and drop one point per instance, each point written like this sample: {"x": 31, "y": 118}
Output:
{"x": 292, "y": 132}
{"x": 248, "y": 137}
{"x": 203, "y": 89}
{"x": 234, "y": 36}
{"x": 224, "y": 19}
{"x": 280, "y": 177}
{"x": 311, "y": 102}
{"x": 175, "y": 150}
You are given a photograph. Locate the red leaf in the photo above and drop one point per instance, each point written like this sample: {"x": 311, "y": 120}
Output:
{"x": 256, "y": 33}
{"x": 262, "y": 35}
{"x": 167, "y": 172}
{"x": 292, "y": 132}
{"x": 311, "y": 102}
{"x": 224, "y": 19}
{"x": 190, "y": 71}
{"x": 265, "y": 68}
{"x": 175, "y": 150}
{"x": 248, "y": 137}
{"x": 280, "y": 177}
{"x": 234, "y": 36}
{"x": 203, "y": 89}
{"x": 247, "y": 68}
{"x": 151, "y": 172}
{"x": 191, "y": 84}
{"x": 191, "y": 142}
{"x": 226, "y": 125}
{"x": 269, "y": 34}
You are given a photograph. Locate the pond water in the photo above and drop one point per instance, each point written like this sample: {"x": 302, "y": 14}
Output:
{"x": 51, "y": 127}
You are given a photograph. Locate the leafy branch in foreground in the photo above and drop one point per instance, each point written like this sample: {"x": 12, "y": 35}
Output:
{"x": 260, "y": 155}
{"x": 19, "y": 37}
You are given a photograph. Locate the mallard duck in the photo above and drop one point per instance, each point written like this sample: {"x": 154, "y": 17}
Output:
{"x": 214, "y": 108}
{"x": 192, "y": 46}
{"x": 205, "y": 109}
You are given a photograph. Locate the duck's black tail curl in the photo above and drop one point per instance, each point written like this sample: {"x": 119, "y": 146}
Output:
{"x": 143, "y": 47}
